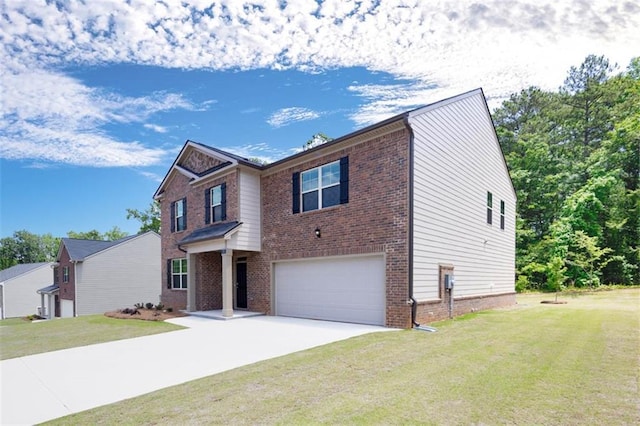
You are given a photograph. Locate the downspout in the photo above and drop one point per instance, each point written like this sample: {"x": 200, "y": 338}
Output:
{"x": 414, "y": 304}
{"x": 75, "y": 288}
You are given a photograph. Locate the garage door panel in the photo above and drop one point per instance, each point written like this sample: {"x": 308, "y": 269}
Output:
{"x": 348, "y": 289}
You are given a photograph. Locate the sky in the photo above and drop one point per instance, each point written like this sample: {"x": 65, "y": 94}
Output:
{"x": 98, "y": 97}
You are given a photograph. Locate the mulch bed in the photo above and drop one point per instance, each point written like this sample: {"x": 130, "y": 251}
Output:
{"x": 146, "y": 315}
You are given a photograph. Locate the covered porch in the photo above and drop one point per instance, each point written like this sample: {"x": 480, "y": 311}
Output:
{"x": 48, "y": 301}
{"x": 216, "y": 272}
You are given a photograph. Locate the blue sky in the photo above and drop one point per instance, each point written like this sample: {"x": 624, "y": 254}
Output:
{"x": 97, "y": 99}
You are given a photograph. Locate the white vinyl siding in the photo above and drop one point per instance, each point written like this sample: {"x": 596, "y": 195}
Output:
{"x": 20, "y": 297}
{"x": 120, "y": 276}
{"x": 457, "y": 160}
{"x": 249, "y": 235}
{"x": 345, "y": 288}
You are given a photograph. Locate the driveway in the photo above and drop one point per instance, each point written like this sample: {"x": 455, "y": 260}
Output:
{"x": 42, "y": 387}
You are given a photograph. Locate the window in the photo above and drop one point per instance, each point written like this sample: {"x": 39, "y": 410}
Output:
{"x": 215, "y": 204}
{"x": 56, "y": 277}
{"x": 321, "y": 187}
{"x": 489, "y": 208}
{"x": 179, "y": 215}
{"x": 501, "y": 214}
{"x": 65, "y": 274}
{"x": 178, "y": 274}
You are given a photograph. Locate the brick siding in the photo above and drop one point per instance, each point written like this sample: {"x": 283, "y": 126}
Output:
{"x": 374, "y": 221}
{"x": 67, "y": 290}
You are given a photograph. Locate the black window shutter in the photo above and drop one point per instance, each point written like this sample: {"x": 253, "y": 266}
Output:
{"x": 295, "y": 181}
{"x": 223, "y": 203}
{"x": 184, "y": 212}
{"x": 344, "y": 180}
{"x": 173, "y": 217}
{"x": 207, "y": 206}
{"x": 169, "y": 274}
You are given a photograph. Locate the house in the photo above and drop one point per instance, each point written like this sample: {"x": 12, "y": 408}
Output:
{"x": 18, "y": 285}
{"x": 370, "y": 228}
{"x": 93, "y": 277}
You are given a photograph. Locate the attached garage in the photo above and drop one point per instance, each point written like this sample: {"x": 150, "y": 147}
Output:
{"x": 346, "y": 288}
{"x": 66, "y": 308}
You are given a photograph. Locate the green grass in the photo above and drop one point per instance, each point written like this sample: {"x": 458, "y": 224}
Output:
{"x": 567, "y": 364}
{"x": 19, "y": 337}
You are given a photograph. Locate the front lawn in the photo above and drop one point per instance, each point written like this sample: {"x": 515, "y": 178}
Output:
{"x": 19, "y": 337}
{"x": 569, "y": 364}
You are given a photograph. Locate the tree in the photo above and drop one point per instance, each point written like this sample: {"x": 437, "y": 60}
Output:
{"x": 26, "y": 247}
{"x": 113, "y": 234}
{"x": 583, "y": 91}
{"x": 316, "y": 140}
{"x": 149, "y": 219}
{"x": 574, "y": 161}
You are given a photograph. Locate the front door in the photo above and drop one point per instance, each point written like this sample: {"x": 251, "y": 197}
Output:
{"x": 241, "y": 285}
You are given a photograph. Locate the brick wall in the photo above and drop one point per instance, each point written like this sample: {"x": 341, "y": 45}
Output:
{"x": 177, "y": 188}
{"x": 68, "y": 289}
{"x": 374, "y": 221}
{"x": 209, "y": 281}
{"x": 427, "y": 312}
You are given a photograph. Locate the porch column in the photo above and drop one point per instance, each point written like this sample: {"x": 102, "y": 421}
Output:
{"x": 191, "y": 282}
{"x": 227, "y": 283}
{"x": 42, "y": 305}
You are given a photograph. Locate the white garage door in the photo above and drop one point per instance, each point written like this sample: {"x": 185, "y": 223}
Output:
{"x": 349, "y": 289}
{"x": 66, "y": 308}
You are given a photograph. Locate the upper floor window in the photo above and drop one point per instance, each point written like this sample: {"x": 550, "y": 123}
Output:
{"x": 321, "y": 187}
{"x": 501, "y": 214}
{"x": 178, "y": 275}
{"x": 489, "y": 208}
{"x": 216, "y": 203}
{"x": 56, "y": 277}
{"x": 65, "y": 274}
{"x": 179, "y": 215}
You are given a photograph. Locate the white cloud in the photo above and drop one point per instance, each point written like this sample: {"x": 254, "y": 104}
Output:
{"x": 441, "y": 47}
{"x": 286, "y": 116}
{"x": 156, "y": 128}
{"x": 47, "y": 116}
{"x": 262, "y": 151}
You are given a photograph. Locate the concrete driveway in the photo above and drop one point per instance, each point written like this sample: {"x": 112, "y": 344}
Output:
{"x": 46, "y": 386}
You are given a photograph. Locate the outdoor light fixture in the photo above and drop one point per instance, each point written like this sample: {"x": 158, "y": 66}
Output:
{"x": 317, "y": 231}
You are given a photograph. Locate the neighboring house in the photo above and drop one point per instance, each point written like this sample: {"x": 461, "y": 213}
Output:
{"x": 93, "y": 277}
{"x": 18, "y": 286}
{"x": 367, "y": 228}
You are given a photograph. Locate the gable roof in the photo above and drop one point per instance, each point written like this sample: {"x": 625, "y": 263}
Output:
{"x": 228, "y": 160}
{"x": 17, "y": 270}
{"x": 79, "y": 250}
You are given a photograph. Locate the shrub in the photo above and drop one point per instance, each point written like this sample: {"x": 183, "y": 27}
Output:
{"x": 169, "y": 309}
{"x": 149, "y": 305}
{"x": 130, "y": 311}
{"x": 159, "y": 307}
{"x": 139, "y": 305}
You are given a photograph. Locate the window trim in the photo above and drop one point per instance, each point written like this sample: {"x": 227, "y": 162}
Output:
{"x": 65, "y": 274}
{"x": 320, "y": 187}
{"x": 175, "y": 217}
{"x": 489, "y": 208}
{"x": 502, "y": 209}
{"x": 184, "y": 276}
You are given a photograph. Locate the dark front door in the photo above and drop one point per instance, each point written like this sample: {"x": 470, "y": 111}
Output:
{"x": 241, "y": 285}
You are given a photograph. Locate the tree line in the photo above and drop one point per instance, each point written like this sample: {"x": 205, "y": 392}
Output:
{"x": 573, "y": 156}
{"x": 26, "y": 247}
